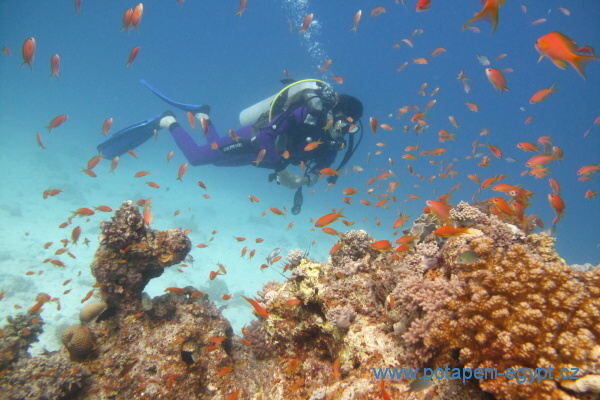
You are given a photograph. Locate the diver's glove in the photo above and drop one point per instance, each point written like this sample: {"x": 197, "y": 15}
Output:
{"x": 287, "y": 179}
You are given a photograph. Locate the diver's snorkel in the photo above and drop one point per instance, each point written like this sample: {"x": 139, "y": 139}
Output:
{"x": 349, "y": 153}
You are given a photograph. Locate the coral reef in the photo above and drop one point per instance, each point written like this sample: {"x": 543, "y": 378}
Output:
{"x": 45, "y": 379}
{"x": 323, "y": 332}
{"x": 17, "y": 336}
{"x": 130, "y": 254}
{"x": 518, "y": 306}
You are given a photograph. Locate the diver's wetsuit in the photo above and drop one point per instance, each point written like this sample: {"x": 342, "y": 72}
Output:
{"x": 245, "y": 150}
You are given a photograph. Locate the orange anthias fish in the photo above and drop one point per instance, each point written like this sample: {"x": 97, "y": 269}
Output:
{"x": 329, "y": 218}
{"x": 488, "y": 13}
{"x": 136, "y": 16}
{"x": 56, "y": 122}
{"x": 449, "y": 231}
{"x": 423, "y": 5}
{"x": 438, "y": 208}
{"x": 312, "y": 145}
{"x": 132, "y": 55}
{"x": 381, "y": 245}
{"x": 542, "y": 94}
{"x": 182, "y": 170}
{"x": 127, "y": 19}
{"x": 496, "y": 78}
{"x": 259, "y": 309}
{"x": 28, "y": 52}
{"x": 55, "y": 65}
{"x": 377, "y": 11}
{"x": 260, "y": 156}
{"x": 562, "y": 51}
{"x": 558, "y": 205}
{"x": 306, "y": 23}
{"x": 356, "y": 20}
{"x": 325, "y": 65}
{"x": 106, "y": 126}
{"x": 242, "y": 8}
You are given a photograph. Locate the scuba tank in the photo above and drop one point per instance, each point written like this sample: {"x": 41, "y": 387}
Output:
{"x": 276, "y": 103}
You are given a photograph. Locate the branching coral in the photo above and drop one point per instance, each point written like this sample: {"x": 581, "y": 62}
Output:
{"x": 17, "y": 336}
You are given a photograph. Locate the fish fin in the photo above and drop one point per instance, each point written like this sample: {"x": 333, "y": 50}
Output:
{"x": 560, "y": 64}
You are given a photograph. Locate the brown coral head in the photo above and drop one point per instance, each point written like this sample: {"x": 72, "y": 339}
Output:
{"x": 91, "y": 311}
{"x": 79, "y": 341}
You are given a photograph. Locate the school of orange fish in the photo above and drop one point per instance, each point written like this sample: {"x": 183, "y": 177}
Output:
{"x": 557, "y": 47}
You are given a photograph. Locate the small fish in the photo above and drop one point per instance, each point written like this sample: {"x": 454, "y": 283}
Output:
{"x": 496, "y": 78}
{"x": 449, "y": 231}
{"x": 132, "y": 55}
{"x": 40, "y": 143}
{"x": 312, "y": 145}
{"x": 306, "y": 23}
{"x": 423, "y": 5}
{"x": 542, "y": 94}
{"x": 114, "y": 164}
{"x": 181, "y": 172}
{"x": 106, "y": 126}
{"x": 377, "y": 11}
{"x": 373, "y": 124}
{"x": 56, "y": 122}
{"x": 325, "y": 65}
{"x": 260, "y": 156}
{"x": 29, "y": 52}
{"x": 55, "y": 65}
{"x": 242, "y": 8}
{"x": 274, "y": 253}
{"x": 136, "y": 16}
{"x": 127, "y": 19}
{"x": 257, "y": 307}
{"x": 381, "y": 245}
{"x": 356, "y": 20}
{"x": 329, "y": 218}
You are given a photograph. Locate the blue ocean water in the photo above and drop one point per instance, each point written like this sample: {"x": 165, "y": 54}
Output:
{"x": 200, "y": 52}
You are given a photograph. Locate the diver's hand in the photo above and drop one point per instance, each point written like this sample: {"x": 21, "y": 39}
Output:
{"x": 287, "y": 179}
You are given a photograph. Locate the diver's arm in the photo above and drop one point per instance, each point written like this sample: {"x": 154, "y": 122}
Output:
{"x": 265, "y": 138}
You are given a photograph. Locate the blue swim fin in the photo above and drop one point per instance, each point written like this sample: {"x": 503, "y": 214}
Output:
{"x": 130, "y": 137}
{"x": 194, "y": 108}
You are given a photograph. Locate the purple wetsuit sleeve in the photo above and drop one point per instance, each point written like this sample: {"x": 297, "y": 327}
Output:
{"x": 266, "y": 137}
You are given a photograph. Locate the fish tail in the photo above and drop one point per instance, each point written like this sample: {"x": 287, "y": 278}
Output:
{"x": 489, "y": 14}
{"x": 580, "y": 61}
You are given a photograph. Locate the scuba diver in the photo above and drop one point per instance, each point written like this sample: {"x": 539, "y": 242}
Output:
{"x": 306, "y": 122}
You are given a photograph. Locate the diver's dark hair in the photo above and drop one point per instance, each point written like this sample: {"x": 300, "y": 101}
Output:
{"x": 350, "y": 106}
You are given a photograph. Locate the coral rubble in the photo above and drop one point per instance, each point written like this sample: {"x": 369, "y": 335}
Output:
{"x": 323, "y": 333}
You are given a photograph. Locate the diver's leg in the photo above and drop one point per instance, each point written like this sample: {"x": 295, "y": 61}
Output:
{"x": 203, "y": 114}
{"x": 222, "y": 152}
